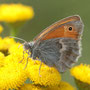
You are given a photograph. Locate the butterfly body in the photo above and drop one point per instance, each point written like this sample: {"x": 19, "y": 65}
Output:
{"x": 59, "y": 45}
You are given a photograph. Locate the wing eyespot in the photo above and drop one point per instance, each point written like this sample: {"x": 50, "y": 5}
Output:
{"x": 70, "y": 28}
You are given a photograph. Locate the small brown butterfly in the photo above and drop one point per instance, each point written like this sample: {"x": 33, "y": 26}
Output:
{"x": 58, "y": 45}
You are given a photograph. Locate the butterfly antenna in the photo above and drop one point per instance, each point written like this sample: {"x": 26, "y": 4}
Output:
{"x": 18, "y": 38}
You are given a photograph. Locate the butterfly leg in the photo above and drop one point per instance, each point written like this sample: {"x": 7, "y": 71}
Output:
{"x": 40, "y": 68}
{"x": 23, "y": 53}
{"x": 26, "y": 62}
{"x": 27, "y": 59}
{"x": 19, "y": 45}
{"x": 23, "y": 56}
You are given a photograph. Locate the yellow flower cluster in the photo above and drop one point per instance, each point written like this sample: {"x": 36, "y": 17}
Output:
{"x": 82, "y": 73}
{"x": 15, "y": 12}
{"x": 13, "y": 75}
{"x": 47, "y": 76}
{"x": 62, "y": 86}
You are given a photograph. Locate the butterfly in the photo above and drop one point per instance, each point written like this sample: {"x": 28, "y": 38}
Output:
{"x": 58, "y": 45}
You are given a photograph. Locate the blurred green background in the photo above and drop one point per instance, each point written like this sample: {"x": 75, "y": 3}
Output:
{"x": 50, "y": 11}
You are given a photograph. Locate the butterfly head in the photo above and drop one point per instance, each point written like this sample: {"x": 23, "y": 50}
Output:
{"x": 28, "y": 46}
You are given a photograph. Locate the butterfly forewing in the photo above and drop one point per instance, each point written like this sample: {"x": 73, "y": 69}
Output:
{"x": 57, "y": 29}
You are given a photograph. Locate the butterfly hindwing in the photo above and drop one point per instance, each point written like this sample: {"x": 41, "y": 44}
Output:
{"x": 69, "y": 53}
{"x": 59, "y": 52}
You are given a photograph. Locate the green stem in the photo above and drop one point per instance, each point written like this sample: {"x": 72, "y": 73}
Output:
{"x": 15, "y": 28}
{"x": 14, "y": 32}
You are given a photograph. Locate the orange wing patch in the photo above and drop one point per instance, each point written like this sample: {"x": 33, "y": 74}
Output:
{"x": 60, "y": 32}
{"x": 54, "y": 32}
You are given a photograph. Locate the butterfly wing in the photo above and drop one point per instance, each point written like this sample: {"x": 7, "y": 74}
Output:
{"x": 60, "y": 53}
{"x": 60, "y": 29}
{"x": 58, "y": 45}
{"x": 70, "y": 52}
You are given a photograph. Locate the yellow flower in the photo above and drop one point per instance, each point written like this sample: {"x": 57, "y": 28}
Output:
{"x": 31, "y": 87}
{"x": 47, "y": 77}
{"x": 16, "y": 51}
{"x": 53, "y": 77}
{"x": 62, "y": 86}
{"x": 5, "y": 44}
{"x": 82, "y": 73}
{"x": 12, "y": 74}
{"x": 1, "y": 59}
{"x": 15, "y": 12}
{"x": 1, "y": 28}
